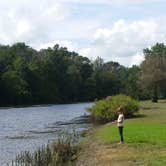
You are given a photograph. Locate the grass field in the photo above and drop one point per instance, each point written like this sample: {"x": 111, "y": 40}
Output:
{"x": 145, "y": 139}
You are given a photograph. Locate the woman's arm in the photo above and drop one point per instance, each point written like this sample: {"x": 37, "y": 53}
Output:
{"x": 114, "y": 122}
{"x": 120, "y": 119}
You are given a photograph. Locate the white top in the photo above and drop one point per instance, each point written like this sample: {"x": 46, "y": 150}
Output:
{"x": 120, "y": 120}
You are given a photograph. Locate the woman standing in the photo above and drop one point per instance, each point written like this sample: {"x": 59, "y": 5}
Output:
{"x": 120, "y": 121}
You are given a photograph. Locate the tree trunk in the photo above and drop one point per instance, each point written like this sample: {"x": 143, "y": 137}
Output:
{"x": 155, "y": 94}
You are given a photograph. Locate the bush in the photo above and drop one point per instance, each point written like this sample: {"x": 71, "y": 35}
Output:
{"x": 106, "y": 110}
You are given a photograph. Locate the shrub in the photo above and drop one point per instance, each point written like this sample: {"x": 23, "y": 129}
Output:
{"x": 106, "y": 110}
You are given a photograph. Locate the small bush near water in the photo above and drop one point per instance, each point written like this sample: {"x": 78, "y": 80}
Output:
{"x": 106, "y": 110}
{"x": 60, "y": 153}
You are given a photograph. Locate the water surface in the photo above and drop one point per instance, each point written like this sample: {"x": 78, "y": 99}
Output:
{"x": 31, "y": 127}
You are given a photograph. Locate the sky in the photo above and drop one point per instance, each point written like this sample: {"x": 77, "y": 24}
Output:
{"x": 115, "y": 30}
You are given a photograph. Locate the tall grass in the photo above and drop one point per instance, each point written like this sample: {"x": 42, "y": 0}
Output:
{"x": 60, "y": 153}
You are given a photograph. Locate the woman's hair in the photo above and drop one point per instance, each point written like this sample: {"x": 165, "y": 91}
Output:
{"x": 120, "y": 109}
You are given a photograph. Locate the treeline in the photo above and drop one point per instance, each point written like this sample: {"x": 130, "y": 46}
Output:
{"x": 56, "y": 75}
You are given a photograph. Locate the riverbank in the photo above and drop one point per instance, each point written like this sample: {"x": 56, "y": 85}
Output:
{"x": 41, "y": 105}
{"x": 145, "y": 140}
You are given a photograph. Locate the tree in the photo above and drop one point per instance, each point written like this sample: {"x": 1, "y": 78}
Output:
{"x": 130, "y": 82}
{"x": 15, "y": 89}
{"x": 153, "y": 69}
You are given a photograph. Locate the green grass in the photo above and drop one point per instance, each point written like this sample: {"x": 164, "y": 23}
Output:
{"x": 145, "y": 135}
{"x": 137, "y": 132}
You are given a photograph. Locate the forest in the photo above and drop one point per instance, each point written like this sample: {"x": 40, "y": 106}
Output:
{"x": 56, "y": 75}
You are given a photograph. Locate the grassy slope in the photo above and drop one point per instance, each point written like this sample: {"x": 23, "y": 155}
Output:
{"x": 145, "y": 140}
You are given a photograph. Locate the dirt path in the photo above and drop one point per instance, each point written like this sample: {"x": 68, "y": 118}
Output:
{"x": 95, "y": 153}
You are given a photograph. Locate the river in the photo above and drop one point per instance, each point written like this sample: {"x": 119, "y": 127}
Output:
{"x": 28, "y": 128}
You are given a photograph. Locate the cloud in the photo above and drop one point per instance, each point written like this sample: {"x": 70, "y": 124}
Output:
{"x": 87, "y": 1}
{"x": 91, "y": 27}
{"x": 29, "y": 21}
{"x": 125, "y": 41}
{"x": 63, "y": 43}
{"x": 111, "y": 1}
{"x": 42, "y": 21}
{"x": 137, "y": 59}
{"x": 134, "y": 1}
{"x": 23, "y": 26}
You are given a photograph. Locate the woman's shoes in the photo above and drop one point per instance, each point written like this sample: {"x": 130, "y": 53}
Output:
{"x": 120, "y": 142}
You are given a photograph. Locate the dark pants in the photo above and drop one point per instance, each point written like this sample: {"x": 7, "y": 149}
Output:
{"x": 120, "y": 128}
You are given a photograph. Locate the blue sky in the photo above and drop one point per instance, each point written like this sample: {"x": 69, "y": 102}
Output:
{"x": 116, "y": 30}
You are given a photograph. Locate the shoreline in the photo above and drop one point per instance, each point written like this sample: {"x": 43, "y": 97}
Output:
{"x": 141, "y": 146}
{"x": 99, "y": 144}
{"x": 42, "y": 105}
{"x": 44, "y": 127}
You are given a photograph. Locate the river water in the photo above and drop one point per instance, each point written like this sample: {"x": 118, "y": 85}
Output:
{"x": 31, "y": 127}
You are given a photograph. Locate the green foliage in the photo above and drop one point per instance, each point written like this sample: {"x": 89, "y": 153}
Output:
{"x": 56, "y": 75}
{"x": 106, "y": 109}
{"x": 153, "y": 70}
{"x": 52, "y": 75}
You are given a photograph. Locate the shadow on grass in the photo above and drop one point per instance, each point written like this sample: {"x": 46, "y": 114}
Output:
{"x": 137, "y": 116}
{"x": 150, "y": 108}
{"x": 162, "y": 101}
